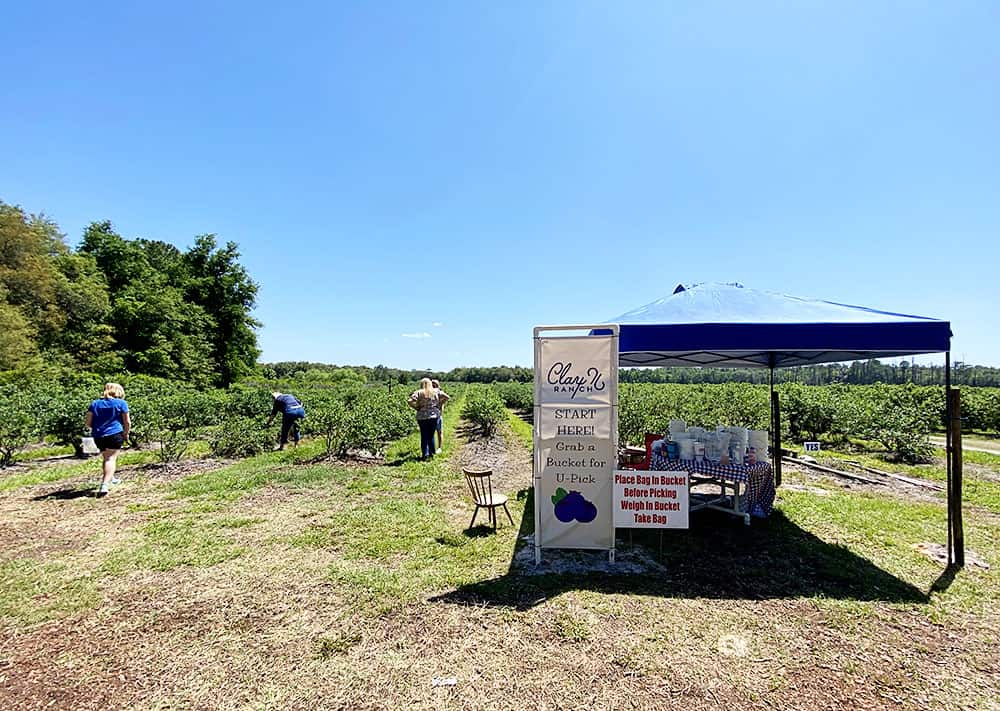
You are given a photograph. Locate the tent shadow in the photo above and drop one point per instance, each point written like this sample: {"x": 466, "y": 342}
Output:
{"x": 717, "y": 558}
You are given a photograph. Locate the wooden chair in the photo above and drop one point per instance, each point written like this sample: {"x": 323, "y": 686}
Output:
{"x": 481, "y": 486}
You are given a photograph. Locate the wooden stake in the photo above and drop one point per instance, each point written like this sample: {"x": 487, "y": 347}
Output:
{"x": 955, "y": 495}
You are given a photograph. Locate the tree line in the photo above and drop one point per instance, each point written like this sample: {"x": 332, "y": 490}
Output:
{"x": 862, "y": 372}
{"x": 114, "y": 305}
{"x": 380, "y": 374}
{"x": 868, "y": 372}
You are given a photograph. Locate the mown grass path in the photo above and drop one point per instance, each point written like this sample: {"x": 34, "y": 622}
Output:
{"x": 285, "y": 581}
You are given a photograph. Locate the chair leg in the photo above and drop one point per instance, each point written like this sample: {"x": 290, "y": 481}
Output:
{"x": 493, "y": 517}
{"x": 474, "y": 514}
{"x": 508, "y": 514}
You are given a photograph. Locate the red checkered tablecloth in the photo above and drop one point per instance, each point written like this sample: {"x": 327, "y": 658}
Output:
{"x": 759, "y": 479}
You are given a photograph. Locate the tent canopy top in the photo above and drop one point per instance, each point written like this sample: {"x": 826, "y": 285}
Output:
{"x": 727, "y": 325}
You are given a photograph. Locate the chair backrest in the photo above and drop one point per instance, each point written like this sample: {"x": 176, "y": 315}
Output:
{"x": 650, "y": 438}
{"x": 480, "y": 484}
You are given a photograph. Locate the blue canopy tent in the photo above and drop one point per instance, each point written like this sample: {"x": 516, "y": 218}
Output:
{"x": 726, "y": 325}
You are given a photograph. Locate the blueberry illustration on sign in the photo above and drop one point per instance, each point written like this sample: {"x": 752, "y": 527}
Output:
{"x": 571, "y": 506}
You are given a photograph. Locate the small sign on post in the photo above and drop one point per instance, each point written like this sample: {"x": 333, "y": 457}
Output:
{"x": 811, "y": 446}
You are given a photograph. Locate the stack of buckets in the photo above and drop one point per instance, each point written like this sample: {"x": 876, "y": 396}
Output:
{"x": 725, "y": 444}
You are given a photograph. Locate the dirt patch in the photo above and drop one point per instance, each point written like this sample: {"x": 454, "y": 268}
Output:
{"x": 977, "y": 471}
{"x": 886, "y": 487}
{"x": 170, "y": 471}
{"x": 19, "y": 468}
{"x": 973, "y": 445}
{"x": 500, "y": 452}
{"x": 274, "y": 629}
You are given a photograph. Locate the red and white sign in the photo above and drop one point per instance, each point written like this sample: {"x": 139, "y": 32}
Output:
{"x": 650, "y": 499}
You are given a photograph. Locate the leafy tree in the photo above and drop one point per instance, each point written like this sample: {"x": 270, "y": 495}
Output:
{"x": 221, "y": 286}
{"x": 50, "y": 299}
{"x": 176, "y": 315}
{"x": 17, "y": 337}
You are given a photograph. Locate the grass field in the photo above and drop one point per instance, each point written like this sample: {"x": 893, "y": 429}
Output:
{"x": 286, "y": 581}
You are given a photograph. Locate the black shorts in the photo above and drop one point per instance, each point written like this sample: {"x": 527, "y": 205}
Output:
{"x": 115, "y": 441}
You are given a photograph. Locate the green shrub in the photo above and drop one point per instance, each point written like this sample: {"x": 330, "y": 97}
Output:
{"x": 518, "y": 396}
{"x": 356, "y": 418}
{"x": 18, "y": 426}
{"x": 900, "y": 420}
{"x": 63, "y": 417}
{"x": 175, "y": 421}
{"x": 243, "y": 401}
{"x": 485, "y": 409}
{"x": 807, "y": 411}
{"x": 239, "y": 437}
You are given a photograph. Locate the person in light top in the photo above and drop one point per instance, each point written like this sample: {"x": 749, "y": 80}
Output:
{"x": 427, "y": 401}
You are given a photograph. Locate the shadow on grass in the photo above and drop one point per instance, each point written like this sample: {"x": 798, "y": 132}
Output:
{"x": 526, "y": 415}
{"x": 717, "y": 558}
{"x": 470, "y": 432}
{"x": 66, "y": 494}
{"x": 480, "y": 531}
{"x": 946, "y": 578}
{"x": 402, "y": 459}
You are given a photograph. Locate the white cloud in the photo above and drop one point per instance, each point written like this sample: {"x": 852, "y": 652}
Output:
{"x": 416, "y": 335}
{"x": 437, "y": 324}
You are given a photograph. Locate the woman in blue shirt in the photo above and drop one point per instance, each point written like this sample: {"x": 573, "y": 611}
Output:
{"x": 109, "y": 421}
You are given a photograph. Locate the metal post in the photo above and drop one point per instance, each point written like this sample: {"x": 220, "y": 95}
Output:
{"x": 775, "y": 423}
{"x": 947, "y": 448}
{"x": 614, "y": 425}
{"x": 535, "y": 464}
{"x": 770, "y": 366}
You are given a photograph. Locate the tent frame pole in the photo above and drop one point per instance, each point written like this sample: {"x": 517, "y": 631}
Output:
{"x": 948, "y": 450}
{"x": 956, "y": 532}
{"x": 775, "y": 422}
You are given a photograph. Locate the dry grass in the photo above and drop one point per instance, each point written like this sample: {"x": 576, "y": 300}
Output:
{"x": 271, "y": 584}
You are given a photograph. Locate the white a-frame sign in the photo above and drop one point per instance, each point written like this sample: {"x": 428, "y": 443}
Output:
{"x": 576, "y": 438}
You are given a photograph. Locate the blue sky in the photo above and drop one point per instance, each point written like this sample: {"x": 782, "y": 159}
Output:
{"x": 419, "y": 184}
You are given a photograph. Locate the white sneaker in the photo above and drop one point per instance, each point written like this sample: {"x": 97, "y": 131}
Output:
{"x": 438, "y": 451}
{"x": 115, "y": 481}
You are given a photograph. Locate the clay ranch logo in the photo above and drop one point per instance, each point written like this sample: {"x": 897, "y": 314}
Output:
{"x": 563, "y": 380}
